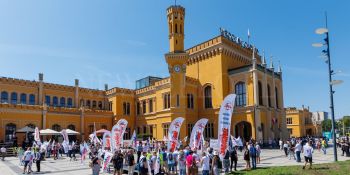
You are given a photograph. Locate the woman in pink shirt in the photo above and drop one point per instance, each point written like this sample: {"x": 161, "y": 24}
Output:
{"x": 189, "y": 162}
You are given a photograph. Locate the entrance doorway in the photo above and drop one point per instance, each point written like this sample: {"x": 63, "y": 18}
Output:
{"x": 244, "y": 130}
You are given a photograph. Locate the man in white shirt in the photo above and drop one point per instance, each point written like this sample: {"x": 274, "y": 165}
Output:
{"x": 205, "y": 164}
{"x": 281, "y": 144}
{"x": 308, "y": 150}
{"x": 3, "y": 153}
{"x": 298, "y": 148}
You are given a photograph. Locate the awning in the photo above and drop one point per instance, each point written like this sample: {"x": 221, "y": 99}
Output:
{"x": 71, "y": 132}
{"x": 102, "y": 131}
{"x": 49, "y": 132}
{"x": 25, "y": 130}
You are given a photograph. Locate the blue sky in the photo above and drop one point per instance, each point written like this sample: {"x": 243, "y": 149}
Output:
{"x": 118, "y": 42}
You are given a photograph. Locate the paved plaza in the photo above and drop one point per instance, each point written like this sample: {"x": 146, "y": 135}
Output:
{"x": 65, "y": 167}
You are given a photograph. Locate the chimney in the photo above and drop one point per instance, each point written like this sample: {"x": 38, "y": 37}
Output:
{"x": 106, "y": 87}
{"x": 76, "y": 82}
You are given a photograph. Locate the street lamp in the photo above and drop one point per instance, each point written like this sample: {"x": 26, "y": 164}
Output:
{"x": 327, "y": 56}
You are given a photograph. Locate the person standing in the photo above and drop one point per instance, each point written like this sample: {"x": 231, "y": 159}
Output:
{"x": 246, "y": 158}
{"x": 143, "y": 164}
{"x": 117, "y": 160}
{"x": 131, "y": 162}
{"x": 216, "y": 164}
{"x": 189, "y": 162}
{"x": 27, "y": 158}
{"x": 252, "y": 154}
{"x": 258, "y": 151}
{"x": 285, "y": 148}
{"x": 281, "y": 144}
{"x": 323, "y": 145}
{"x": 298, "y": 148}
{"x": 205, "y": 164}
{"x": 139, "y": 151}
{"x": 3, "y": 153}
{"x": 226, "y": 161}
{"x": 37, "y": 160}
{"x": 96, "y": 165}
{"x": 308, "y": 150}
{"x": 171, "y": 162}
{"x": 182, "y": 163}
{"x": 234, "y": 158}
{"x": 153, "y": 162}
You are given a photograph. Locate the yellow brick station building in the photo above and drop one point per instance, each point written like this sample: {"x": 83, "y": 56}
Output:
{"x": 300, "y": 123}
{"x": 200, "y": 78}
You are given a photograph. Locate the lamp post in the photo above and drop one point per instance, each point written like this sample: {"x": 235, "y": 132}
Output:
{"x": 327, "y": 56}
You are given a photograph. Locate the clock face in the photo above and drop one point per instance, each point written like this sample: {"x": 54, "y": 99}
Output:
{"x": 177, "y": 68}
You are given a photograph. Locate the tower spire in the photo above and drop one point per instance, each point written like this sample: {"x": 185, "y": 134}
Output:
{"x": 271, "y": 64}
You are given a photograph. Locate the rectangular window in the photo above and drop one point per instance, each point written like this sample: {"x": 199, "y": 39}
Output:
{"x": 189, "y": 129}
{"x": 150, "y": 105}
{"x": 177, "y": 100}
{"x": 166, "y": 101}
{"x": 289, "y": 121}
{"x": 144, "y": 129}
{"x": 290, "y": 130}
{"x": 124, "y": 108}
{"x": 47, "y": 100}
{"x": 138, "y": 108}
{"x": 144, "y": 107}
{"x": 209, "y": 130}
{"x": 165, "y": 129}
{"x": 151, "y": 130}
{"x": 190, "y": 101}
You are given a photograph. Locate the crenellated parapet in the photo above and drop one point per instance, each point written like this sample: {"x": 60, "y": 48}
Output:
{"x": 192, "y": 81}
{"x": 220, "y": 45}
{"x": 19, "y": 82}
{"x": 58, "y": 87}
{"x": 117, "y": 90}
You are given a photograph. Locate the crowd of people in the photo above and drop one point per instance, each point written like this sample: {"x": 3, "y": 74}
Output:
{"x": 153, "y": 157}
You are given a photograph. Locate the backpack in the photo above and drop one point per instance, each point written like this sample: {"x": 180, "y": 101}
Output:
{"x": 252, "y": 151}
{"x": 219, "y": 163}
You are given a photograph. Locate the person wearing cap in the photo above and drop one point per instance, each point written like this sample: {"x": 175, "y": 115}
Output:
{"x": 216, "y": 164}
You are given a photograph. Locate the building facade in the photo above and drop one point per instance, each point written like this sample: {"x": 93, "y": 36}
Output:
{"x": 300, "y": 123}
{"x": 200, "y": 77}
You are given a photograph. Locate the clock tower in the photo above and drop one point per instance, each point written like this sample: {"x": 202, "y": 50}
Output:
{"x": 177, "y": 59}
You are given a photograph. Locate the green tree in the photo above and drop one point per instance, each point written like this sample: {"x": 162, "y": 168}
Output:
{"x": 326, "y": 125}
{"x": 346, "y": 120}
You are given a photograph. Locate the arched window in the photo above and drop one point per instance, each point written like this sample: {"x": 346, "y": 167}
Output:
{"x": 260, "y": 94}
{"x": 208, "y": 97}
{"x": 32, "y": 99}
{"x": 100, "y": 105}
{"x": 180, "y": 29}
{"x": 31, "y": 125}
{"x": 94, "y": 104}
{"x": 175, "y": 28}
{"x": 47, "y": 100}
{"x": 276, "y": 96}
{"x": 240, "y": 91}
{"x": 269, "y": 95}
{"x": 23, "y": 98}
{"x": 4, "y": 97}
{"x": 62, "y": 102}
{"x": 13, "y": 98}
{"x": 10, "y": 130}
{"x": 71, "y": 127}
{"x": 124, "y": 108}
{"x": 55, "y": 101}
{"x": 69, "y": 103}
{"x": 56, "y": 127}
{"x": 88, "y": 104}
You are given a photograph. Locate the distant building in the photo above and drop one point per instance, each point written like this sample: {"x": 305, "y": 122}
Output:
{"x": 300, "y": 123}
{"x": 319, "y": 116}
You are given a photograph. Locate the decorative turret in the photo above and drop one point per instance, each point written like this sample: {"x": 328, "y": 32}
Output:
{"x": 271, "y": 64}
{"x": 264, "y": 60}
{"x": 176, "y": 21}
{"x": 279, "y": 70}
